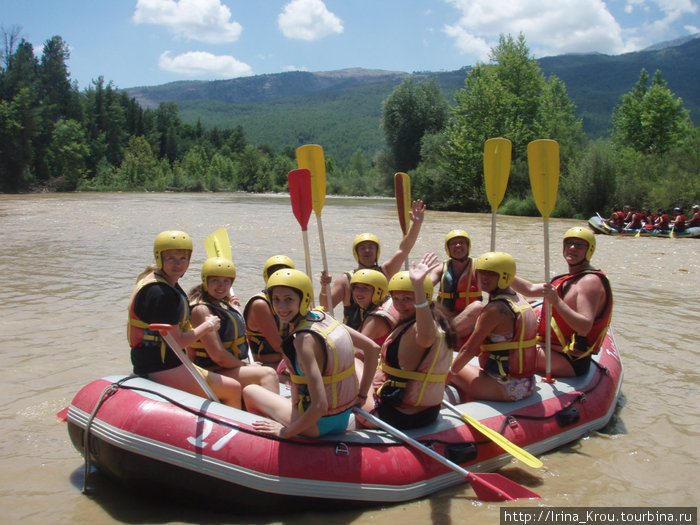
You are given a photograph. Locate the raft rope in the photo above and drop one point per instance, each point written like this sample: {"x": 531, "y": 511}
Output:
{"x": 580, "y": 398}
{"x": 107, "y": 392}
{"x": 310, "y": 442}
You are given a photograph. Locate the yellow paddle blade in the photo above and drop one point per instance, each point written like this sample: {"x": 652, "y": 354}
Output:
{"x": 514, "y": 450}
{"x": 310, "y": 157}
{"x": 402, "y": 190}
{"x": 496, "y": 169}
{"x": 218, "y": 245}
{"x": 543, "y": 161}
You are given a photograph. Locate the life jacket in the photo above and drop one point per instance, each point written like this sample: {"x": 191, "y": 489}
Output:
{"x": 256, "y": 340}
{"x": 388, "y": 313}
{"x": 354, "y": 314}
{"x": 563, "y": 334}
{"x": 679, "y": 223}
{"x": 137, "y": 332}
{"x": 456, "y": 292}
{"x": 423, "y": 387}
{"x": 339, "y": 376}
{"x": 232, "y": 334}
{"x": 517, "y": 357}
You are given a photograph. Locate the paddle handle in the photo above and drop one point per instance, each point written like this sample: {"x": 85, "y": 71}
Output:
{"x": 324, "y": 261}
{"x": 164, "y": 330}
{"x": 493, "y": 231}
{"x": 307, "y": 257}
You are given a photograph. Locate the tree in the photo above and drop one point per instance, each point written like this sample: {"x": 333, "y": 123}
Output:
{"x": 650, "y": 118}
{"x": 412, "y": 110}
{"x": 67, "y": 153}
{"x": 18, "y": 126}
{"x": 508, "y": 98}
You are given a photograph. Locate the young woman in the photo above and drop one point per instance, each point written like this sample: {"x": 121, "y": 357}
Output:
{"x": 158, "y": 298}
{"x": 415, "y": 358}
{"x": 504, "y": 339}
{"x": 224, "y": 351}
{"x": 319, "y": 353}
{"x": 265, "y": 331}
{"x": 378, "y": 315}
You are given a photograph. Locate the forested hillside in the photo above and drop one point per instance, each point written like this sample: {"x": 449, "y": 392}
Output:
{"x": 342, "y": 109}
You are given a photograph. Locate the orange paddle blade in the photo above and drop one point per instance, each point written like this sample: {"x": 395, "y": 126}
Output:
{"x": 402, "y": 189}
{"x": 300, "y": 193}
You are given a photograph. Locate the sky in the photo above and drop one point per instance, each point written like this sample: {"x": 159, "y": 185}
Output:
{"x": 150, "y": 42}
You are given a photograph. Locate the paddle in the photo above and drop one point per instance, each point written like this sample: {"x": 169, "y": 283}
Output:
{"x": 310, "y": 156}
{"x": 402, "y": 190}
{"x": 487, "y": 486}
{"x": 543, "y": 163}
{"x": 218, "y": 244}
{"x": 164, "y": 330}
{"x": 300, "y": 193}
{"x": 496, "y": 171}
{"x": 500, "y": 440}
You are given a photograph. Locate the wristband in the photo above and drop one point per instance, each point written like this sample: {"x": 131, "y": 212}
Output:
{"x": 422, "y": 305}
{"x": 211, "y": 325}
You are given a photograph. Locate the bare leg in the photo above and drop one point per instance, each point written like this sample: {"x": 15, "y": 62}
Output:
{"x": 227, "y": 389}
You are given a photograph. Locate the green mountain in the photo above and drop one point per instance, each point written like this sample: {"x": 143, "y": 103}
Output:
{"x": 342, "y": 109}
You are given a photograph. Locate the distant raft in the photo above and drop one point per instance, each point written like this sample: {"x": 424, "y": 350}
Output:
{"x": 597, "y": 224}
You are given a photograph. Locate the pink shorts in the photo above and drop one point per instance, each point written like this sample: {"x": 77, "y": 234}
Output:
{"x": 517, "y": 388}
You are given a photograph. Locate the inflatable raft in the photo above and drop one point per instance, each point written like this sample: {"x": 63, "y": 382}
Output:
{"x": 152, "y": 437}
{"x": 597, "y": 224}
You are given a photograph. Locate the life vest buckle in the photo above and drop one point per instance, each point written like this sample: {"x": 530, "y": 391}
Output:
{"x": 342, "y": 448}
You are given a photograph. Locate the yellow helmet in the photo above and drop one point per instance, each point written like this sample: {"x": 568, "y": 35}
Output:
{"x": 401, "y": 282}
{"x": 457, "y": 233}
{"x": 585, "y": 235}
{"x": 274, "y": 263}
{"x": 170, "y": 240}
{"x": 373, "y": 278}
{"x": 501, "y": 263}
{"x": 365, "y": 237}
{"x": 295, "y": 279}
{"x": 219, "y": 267}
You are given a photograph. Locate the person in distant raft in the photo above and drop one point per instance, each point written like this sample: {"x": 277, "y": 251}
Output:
{"x": 582, "y": 303}
{"x": 159, "y": 298}
{"x": 366, "y": 250}
{"x": 504, "y": 339}
{"x": 225, "y": 351}
{"x": 264, "y": 329}
{"x": 320, "y": 356}
{"x": 458, "y": 292}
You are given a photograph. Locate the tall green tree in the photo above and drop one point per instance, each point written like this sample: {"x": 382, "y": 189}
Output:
{"x": 650, "y": 118}
{"x": 67, "y": 153}
{"x": 507, "y": 98}
{"x": 412, "y": 110}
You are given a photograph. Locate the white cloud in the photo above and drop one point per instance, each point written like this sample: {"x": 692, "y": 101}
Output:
{"x": 308, "y": 20}
{"x": 201, "y": 20}
{"x": 295, "y": 68}
{"x": 204, "y": 65}
{"x": 550, "y": 28}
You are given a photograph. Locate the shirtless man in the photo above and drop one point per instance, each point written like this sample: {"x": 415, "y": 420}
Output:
{"x": 581, "y": 308}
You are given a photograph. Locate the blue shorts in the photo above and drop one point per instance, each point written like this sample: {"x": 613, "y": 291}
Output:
{"x": 335, "y": 424}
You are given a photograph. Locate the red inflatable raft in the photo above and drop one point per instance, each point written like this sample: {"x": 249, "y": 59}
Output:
{"x": 154, "y": 437}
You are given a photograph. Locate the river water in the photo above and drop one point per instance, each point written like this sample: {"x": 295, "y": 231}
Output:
{"x": 69, "y": 262}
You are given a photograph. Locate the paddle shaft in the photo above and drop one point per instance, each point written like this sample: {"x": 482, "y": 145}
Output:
{"x": 498, "y": 488}
{"x": 548, "y": 309}
{"x": 180, "y": 353}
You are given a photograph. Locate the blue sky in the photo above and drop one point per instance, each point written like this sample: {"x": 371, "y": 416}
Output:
{"x": 150, "y": 42}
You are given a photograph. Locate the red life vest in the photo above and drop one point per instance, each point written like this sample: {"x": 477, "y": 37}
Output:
{"x": 563, "y": 334}
{"x": 518, "y": 356}
{"x": 388, "y": 313}
{"x": 456, "y": 292}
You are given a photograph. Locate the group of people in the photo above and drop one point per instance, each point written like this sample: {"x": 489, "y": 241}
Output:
{"x": 628, "y": 219}
{"x": 394, "y": 351}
